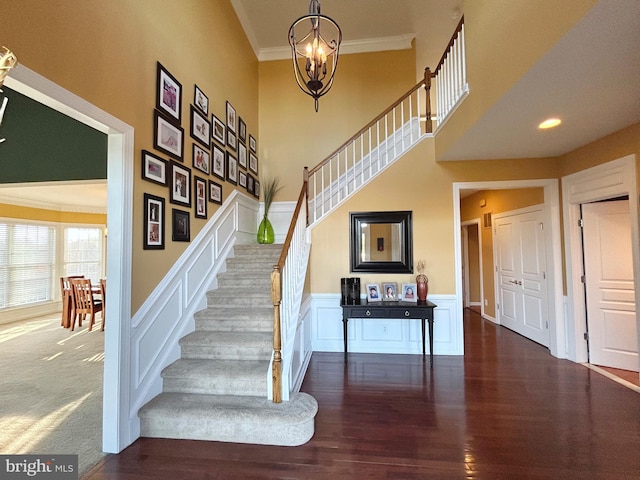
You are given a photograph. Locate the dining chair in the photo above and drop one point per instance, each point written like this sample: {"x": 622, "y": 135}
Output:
{"x": 103, "y": 292}
{"x": 85, "y": 303}
{"x": 68, "y": 299}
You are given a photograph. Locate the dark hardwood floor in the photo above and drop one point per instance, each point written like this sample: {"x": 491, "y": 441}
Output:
{"x": 506, "y": 410}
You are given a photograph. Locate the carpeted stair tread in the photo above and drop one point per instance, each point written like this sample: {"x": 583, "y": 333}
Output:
{"x": 230, "y": 418}
{"x": 230, "y": 345}
{"x": 216, "y": 376}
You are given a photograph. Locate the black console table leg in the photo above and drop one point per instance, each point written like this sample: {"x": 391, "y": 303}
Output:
{"x": 344, "y": 336}
{"x": 431, "y": 341}
{"x": 423, "y": 343}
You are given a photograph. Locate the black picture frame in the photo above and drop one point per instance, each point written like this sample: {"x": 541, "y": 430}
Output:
{"x": 215, "y": 192}
{"x": 232, "y": 168}
{"x": 251, "y": 182}
{"x": 242, "y": 130}
{"x": 232, "y": 140}
{"x": 256, "y": 189}
{"x": 218, "y": 130}
{"x": 253, "y": 146}
{"x": 242, "y": 155}
{"x": 168, "y": 95}
{"x": 218, "y": 162}
{"x": 231, "y": 117}
{"x": 200, "y": 100}
{"x": 154, "y": 224}
{"x": 167, "y": 137}
{"x": 201, "y": 159}
{"x": 358, "y": 220}
{"x": 180, "y": 226}
{"x": 180, "y": 181}
{"x": 200, "y": 127}
{"x": 242, "y": 179}
{"x": 200, "y": 196}
{"x": 154, "y": 168}
{"x": 253, "y": 163}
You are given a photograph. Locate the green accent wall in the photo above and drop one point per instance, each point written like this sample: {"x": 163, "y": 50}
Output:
{"x": 43, "y": 145}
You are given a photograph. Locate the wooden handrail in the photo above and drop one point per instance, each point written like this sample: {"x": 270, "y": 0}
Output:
{"x": 449, "y": 46}
{"x": 366, "y": 127}
{"x": 276, "y": 290}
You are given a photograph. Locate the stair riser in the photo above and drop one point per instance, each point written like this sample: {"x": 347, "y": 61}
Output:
{"x": 215, "y": 301}
{"x": 248, "y": 386}
{"x": 216, "y": 325}
{"x": 225, "y": 352}
{"x": 243, "y": 280}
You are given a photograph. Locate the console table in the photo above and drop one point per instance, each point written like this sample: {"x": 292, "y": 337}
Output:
{"x": 391, "y": 310}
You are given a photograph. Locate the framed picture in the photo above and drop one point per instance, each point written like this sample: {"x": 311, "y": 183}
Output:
{"x": 200, "y": 127}
{"x": 154, "y": 169}
{"x": 201, "y": 101}
{"x": 242, "y": 179}
{"x": 169, "y": 95}
{"x": 200, "y": 193}
{"x": 180, "y": 185}
{"x": 232, "y": 140}
{"x": 153, "y": 222}
{"x": 242, "y": 155}
{"x": 242, "y": 130}
{"x": 409, "y": 292}
{"x": 231, "y": 117}
{"x": 219, "y": 130}
{"x": 373, "y": 292}
{"x": 215, "y": 192}
{"x": 256, "y": 189}
{"x": 251, "y": 183}
{"x": 218, "y": 162}
{"x": 253, "y": 163}
{"x": 201, "y": 159}
{"x": 252, "y": 144}
{"x": 167, "y": 137}
{"x": 232, "y": 169}
{"x": 390, "y": 291}
{"x": 181, "y": 230}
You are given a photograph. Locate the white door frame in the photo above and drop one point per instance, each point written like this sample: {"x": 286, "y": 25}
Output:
{"x": 609, "y": 180}
{"x": 115, "y": 436}
{"x": 477, "y": 223}
{"x": 551, "y": 214}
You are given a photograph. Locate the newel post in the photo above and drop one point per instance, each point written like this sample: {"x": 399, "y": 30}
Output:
{"x": 276, "y": 370}
{"x": 427, "y": 87}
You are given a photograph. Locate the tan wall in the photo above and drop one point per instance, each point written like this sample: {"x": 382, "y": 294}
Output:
{"x": 106, "y": 53}
{"x": 474, "y": 264}
{"x": 293, "y": 135}
{"x": 497, "y": 201}
{"x": 42, "y": 215}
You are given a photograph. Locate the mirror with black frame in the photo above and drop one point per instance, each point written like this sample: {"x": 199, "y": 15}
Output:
{"x": 381, "y": 242}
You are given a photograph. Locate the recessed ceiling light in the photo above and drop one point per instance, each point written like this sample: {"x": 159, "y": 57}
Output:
{"x": 550, "y": 123}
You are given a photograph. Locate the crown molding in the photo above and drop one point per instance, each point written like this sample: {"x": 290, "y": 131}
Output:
{"x": 399, "y": 42}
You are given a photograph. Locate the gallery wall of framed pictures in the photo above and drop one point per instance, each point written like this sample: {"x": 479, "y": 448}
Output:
{"x": 223, "y": 152}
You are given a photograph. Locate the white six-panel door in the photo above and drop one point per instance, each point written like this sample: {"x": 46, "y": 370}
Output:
{"x": 519, "y": 252}
{"x": 611, "y": 312}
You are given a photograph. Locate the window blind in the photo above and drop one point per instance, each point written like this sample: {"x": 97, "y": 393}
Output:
{"x": 83, "y": 252}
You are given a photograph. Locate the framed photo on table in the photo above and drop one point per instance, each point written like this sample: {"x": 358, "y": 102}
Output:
{"x": 200, "y": 193}
{"x": 409, "y": 292}
{"x": 154, "y": 169}
{"x": 201, "y": 159}
{"x": 180, "y": 185}
{"x": 169, "y": 95}
{"x": 200, "y": 127}
{"x": 153, "y": 222}
{"x": 390, "y": 291}
{"x": 180, "y": 226}
{"x": 373, "y": 292}
{"x": 167, "y": 137}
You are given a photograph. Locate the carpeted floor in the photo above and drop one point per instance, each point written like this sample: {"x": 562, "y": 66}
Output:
{"x": 51, "y": 390}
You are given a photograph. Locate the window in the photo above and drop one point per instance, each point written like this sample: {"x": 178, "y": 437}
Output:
{"x": 27, "y": 264}
{"x": 83, "y": 252}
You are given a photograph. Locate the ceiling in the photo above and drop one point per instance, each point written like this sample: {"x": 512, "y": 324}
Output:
{"x": 590, "y": 78}
{"x": 82, "y": 196}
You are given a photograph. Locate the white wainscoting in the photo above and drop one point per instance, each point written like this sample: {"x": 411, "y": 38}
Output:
{"x": 167, "y": 314}
{"x": 384, "y": 335}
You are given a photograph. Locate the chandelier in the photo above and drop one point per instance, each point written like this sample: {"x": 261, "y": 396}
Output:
{"x": 314, "y": 58}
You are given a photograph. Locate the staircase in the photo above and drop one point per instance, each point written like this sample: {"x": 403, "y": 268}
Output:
{"x": 217, "y": 390}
